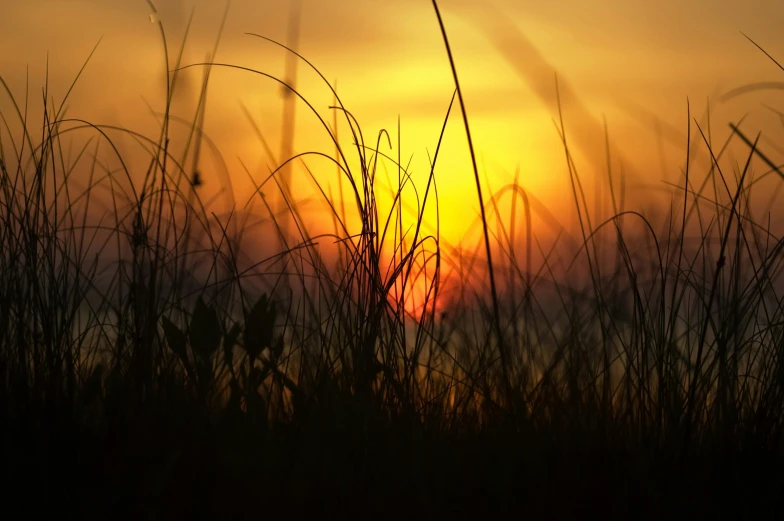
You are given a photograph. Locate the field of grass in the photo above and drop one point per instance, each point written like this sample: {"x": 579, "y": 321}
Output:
{"x": 151, "y": 367}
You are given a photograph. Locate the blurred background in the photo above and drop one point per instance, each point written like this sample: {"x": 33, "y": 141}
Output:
{"x": 631, "y": 63}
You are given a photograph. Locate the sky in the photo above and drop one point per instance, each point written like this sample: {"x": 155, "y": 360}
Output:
{"x": 630, "y": 63}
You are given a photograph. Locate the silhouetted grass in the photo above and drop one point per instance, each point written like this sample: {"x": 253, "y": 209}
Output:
{"x": 151, "y": 369}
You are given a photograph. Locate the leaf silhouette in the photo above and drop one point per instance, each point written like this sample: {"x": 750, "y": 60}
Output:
{"x": 258, "y": 327}
{"x": 229, "y": 341}
{"x": 205, "y": 330}
{"x": 205, "y": 374}
{"x": 175, "y": 338}
{"x": 276, "y": 348}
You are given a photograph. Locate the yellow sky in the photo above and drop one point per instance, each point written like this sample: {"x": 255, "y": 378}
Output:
{"x": 620, "y": 59}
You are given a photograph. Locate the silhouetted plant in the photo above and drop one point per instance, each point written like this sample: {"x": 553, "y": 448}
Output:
{"x": 148, "y": 362}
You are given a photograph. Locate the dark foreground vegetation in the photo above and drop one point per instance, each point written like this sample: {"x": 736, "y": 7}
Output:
{"x": 150, "y": 370}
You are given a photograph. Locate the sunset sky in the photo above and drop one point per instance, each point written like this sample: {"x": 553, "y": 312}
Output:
{"x": 625, "y": 60}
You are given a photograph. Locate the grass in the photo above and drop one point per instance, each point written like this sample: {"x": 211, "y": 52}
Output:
{"x": 151, "y": 368}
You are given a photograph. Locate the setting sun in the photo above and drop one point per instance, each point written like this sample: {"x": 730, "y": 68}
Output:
{"x": 364, "y": 258}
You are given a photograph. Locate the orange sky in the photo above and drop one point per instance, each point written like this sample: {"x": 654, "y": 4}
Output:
{"x": 389, "y": 61}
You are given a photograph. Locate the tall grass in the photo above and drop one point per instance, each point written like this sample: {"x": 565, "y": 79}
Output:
{"x": 151, "y": 367}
